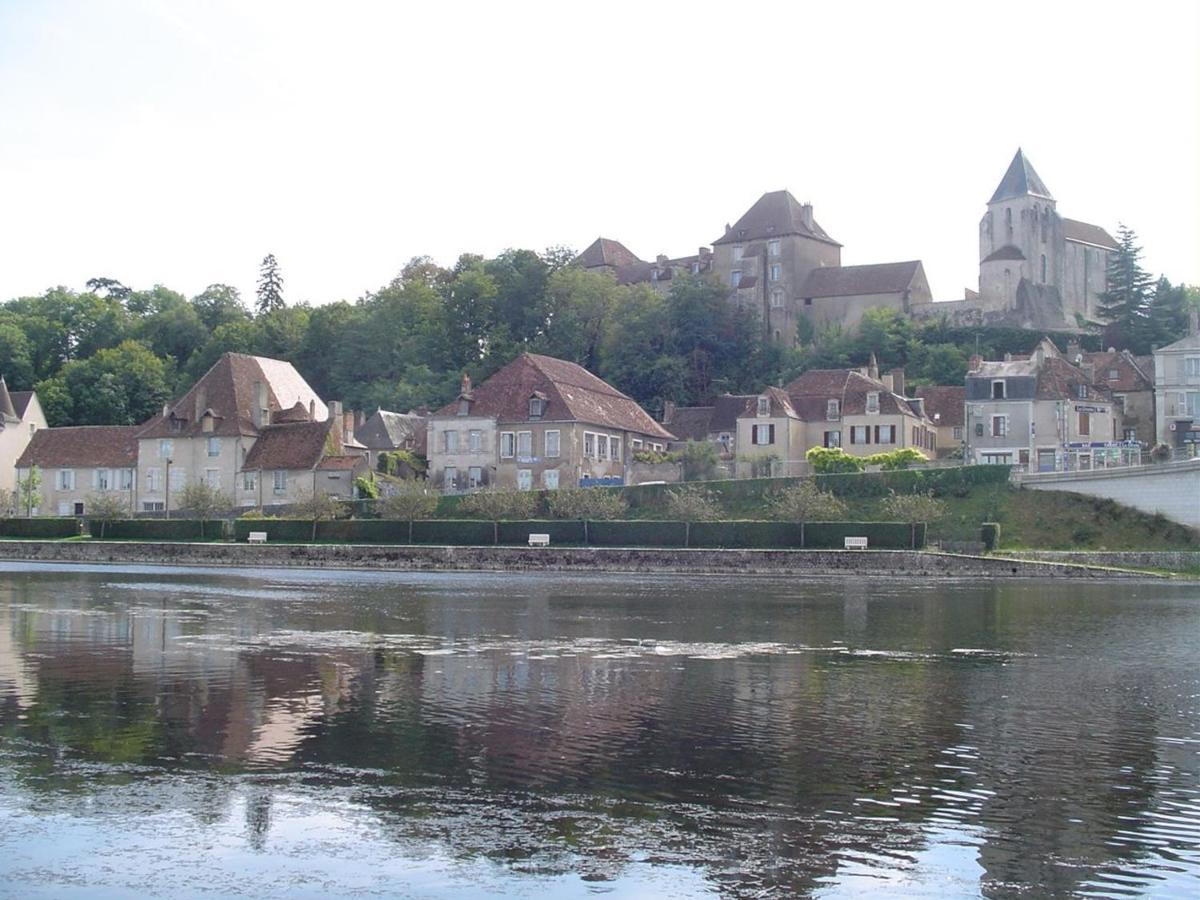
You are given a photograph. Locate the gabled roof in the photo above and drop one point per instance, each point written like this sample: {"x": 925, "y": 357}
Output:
{"x": 1020, "y": 180}
{"x": 8, "y": 412}
{"x": 572, "y": 394}
{"x": 726, "y": 409}
{"x": 82, "y": 447}
{"x": 1130, "y": 375}
{"x": 20, "y": 400}
{"x": 850, "y": 388}
{"x": 944, "y": 403}
{"x": 227, "y": 389}
{"x": 690, "y": 423}
{"x": 606, "y": 252}
{"x": 294, "y": 445}
{"x": 1085, "y": 233}
{"x": 773, "y": 215}
{"x": 1190, "y": 342}
{"x": 387, "y": 430}
{"x": 848, "y": 281}
{"x": 1057, "y": 379}
{"x": 1008, "y": 251}
{"x": 781, "y": 404}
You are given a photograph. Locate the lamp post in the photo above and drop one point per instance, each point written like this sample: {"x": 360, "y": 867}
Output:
{"x": 167, "y": 491}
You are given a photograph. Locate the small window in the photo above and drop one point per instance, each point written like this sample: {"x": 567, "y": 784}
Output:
{"x": 773, "y": 248}
{"x": 775, "y": 270}
{"x": 103, "y": 479}
{"x": 832, "y": 439}
{"x": 833, "y": 410}
{"x": 66, "y": 479}
{"x": 602, "y": 446}
{"x": 212, "y": 477}
{"x": 450, "y": 477}
{"x": 764, "y": 435}
{"x": 735, "y": 277}
{"x": 474, "y": 440}
{"x": 474, "y": 476}
{"x": 737, "y": 253}
{"x": 165, "y": 448}
{"x": 536, "y": 404}
{"x": 958, "y": 432}
{"x": 998, "y": 389}
{"x": 552, "y": 441}
{"x": 999, "y": 426}
{"x": 214, "y": 446}
{"x": 860, "y": 434}
{"x": 589, "y": 445}
{"x": 508, "y": 445}
{"x": 614, "y": 446}
{"x": 1085, "y": 423}
{"x": 776, "y": 299}
{"x": 125, "y": 479}
{"x": 279, "y": 482}
{"x": 249, "y": 482}
{"x": 808, "y": 301}
{"x": 450, "y": 441}
{"x": 1114, "y": 375}
{"x": 1083, "y": 392}
{"x": 464, "y": 407}
{"x": 873, "y": 401}
{"x": 764, "y": 406}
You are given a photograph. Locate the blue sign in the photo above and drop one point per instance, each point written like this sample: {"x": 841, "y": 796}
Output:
{"x": 605, "y": 481}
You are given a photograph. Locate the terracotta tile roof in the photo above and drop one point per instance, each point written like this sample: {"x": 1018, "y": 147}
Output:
{"x": 848, "y": 281}
{"x": 1057, "y": 379}
{"x": 1130, "y": 377}
{"x": 850, "y": 388}
{"x": 606, "y": 252}
{"x": 944, "y": 404}
{"x": 726, "y": 409}
{"x": 341, "y": 463}
{"x": 297, "y": 445}
{"x": 1085, "y": 233}
{"x": 773, "y": 215}
{"x": 228, "y": 390}
{"x": 781, "y": 404}
{"x": 572, "y": 394}
{"x": 82, "y": 446}
{"x": 690, "y": 423}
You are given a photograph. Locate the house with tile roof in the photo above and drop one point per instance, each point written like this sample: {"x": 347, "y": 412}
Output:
{"x": 717, "y": 424}
{"x": 1044, "y": 414}
{"x": 945, "y": 407}
{"x": 79, "y": 462}
{"x": 385, "y": 430}
{"x": 21, "y": 417}
{"x": 1130, "y": 379}
{"x": 292, "y": 460}
{"x": 539, "y": 422}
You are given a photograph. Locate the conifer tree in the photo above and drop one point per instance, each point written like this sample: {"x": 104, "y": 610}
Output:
{"x": 270, "y": 285}
{"x": 1125, "y": 305}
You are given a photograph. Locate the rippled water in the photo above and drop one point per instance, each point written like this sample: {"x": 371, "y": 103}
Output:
{"x": 283, "y": 733}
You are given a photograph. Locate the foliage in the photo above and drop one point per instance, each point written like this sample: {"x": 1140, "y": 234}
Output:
{"x": 410, "y": 500}
{"x": 316, "y": 506}
{"x": 693, "y": 504}
{"x": 366, "y": 488}
{"x": 203, "y": 500}
{"x": 805, "y": 502}
{"x": 122, "y": 385}
{"x": 106, "y": 506}
{"x": 496, "y": 504}
{"x": 270, "y": 285}
{"x": 989, "y": 535}
{"x": 29, "y": 490}
{"x": 1125, "y": 306}
{"x": 255, "y": 514}
{"x": 700, "y": 461}
{"x": 913, "y": 507}
{"x": 391, "y": 462}
{"x": 656, "y": 457}
{"x": 900, "y": 458}
{"x": 586, "y": 503}
{"x": 831, "y": 460}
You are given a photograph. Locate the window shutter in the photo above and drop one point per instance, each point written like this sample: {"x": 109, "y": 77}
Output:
{"x": 877, "y": 434}
{"x": 770, "y": 434}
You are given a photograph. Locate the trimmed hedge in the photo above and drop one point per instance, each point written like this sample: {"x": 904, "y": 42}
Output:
{"x": 157, "y": 529}
{"x": 289, "y": 531}
{"x": 39, "y": 527}
{"x": 879, "y": 535}
{"x": 561, "y": 531}
{"x": 745, "y": 534}
{"x": 457, "y": 532}
{"x": 637, "y": 533}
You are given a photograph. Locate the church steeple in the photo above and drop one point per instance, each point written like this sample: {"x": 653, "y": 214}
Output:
{"x": 1020, "y": 180}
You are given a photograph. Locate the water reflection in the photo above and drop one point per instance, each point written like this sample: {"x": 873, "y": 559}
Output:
{"x": 487, "y": 734}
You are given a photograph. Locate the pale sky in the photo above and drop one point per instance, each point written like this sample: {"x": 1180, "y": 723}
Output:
{"x": 178, "y": 143}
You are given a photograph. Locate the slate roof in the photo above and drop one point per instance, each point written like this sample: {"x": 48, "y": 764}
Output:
{"x": 1020, "y": 180}
{"x": 228, "y": 391}
{"x": 387, "y": 430}
{"x": 690, "y": 423}
{"x": 1008, "y": 251}
{"x": 774, "y": 214}
{"x": 572, "y": 394}
{"x": 1084, "y": 233}
{"x": 849, "y": 281}
{"x": 606, "y": 252}
{"x": 294, "y": 445}
{"x": 944, "y": 404}
{"x": 20, "y": 400}
{"x": 82, "y": 447}
{"x": 1189, "y": 342}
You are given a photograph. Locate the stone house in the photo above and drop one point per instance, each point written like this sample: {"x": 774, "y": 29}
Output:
{"x": 1043, "y": 414}
{"x": 386, "y": 431}
{"x": 717, "y": 424}
{"x": 1177, "y": 393}
{"x": 209, "y": 432}
{"x": 78, "y": 462}
{"x": 20, "y": 417}
{"x": 840, "y": 295}
{"x": 290, "y": 461}
{"x": 538, "y": 422}
{"x": 945, "y": 405}
{"x": 770, "y": 437}
{"x": 1131, "y": 380}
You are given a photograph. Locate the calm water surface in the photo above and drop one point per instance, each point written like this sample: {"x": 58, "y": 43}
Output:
{"x": 172, "y": 732}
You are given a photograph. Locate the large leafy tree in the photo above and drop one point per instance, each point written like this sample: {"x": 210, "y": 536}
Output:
{"x": 1125, "y": 306}
{"x": 122, "y": 385}
{"x": 270, "y": 285}
{"x": 219, "y": 304}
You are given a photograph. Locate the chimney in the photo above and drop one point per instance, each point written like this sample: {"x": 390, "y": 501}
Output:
{"x": 661, "y": 260}
{"x": 260, "y": 413}
{"x": 1074, "y": 350}
{"x": 704, "y": 254}
{"x": 201, "y": 401}
{"x": 335, "y": 409}
{"x": 898, "y": 380}
{"x": 668, "y": 411}
{"x": 348, "y": 425}
{"x": 727, "y": 228}
{"x": 887, "y": 382}
{"x": 166, "y": 410}
{"x": 465, "y": 388}
{"x": 873, "y": 368}
{"x": 806, "y": 215}
{"x": 1008, "y": 357}
{"x": 975, "y": 363}
{"x": 312, "y": 410}
{"x": 360, "y": 418}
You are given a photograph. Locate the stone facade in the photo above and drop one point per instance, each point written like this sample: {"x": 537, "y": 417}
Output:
{"x": 1177, "y": 390}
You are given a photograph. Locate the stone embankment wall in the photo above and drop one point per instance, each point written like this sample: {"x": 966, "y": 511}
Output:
{"x": 799, "y": 563}
{"x": 1168, "y": 560}
{"x": 1172, "y": 489}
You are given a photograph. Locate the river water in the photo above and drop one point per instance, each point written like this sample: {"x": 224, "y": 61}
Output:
{"x": 223, "y": 732}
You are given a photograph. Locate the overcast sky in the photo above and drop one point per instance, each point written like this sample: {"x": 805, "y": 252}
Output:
{"x": 178, "y": 143}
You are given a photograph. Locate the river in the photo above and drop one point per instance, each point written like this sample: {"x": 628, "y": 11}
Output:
{"x": 285, "y": 733}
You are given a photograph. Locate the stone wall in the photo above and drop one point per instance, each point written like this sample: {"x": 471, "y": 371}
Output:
{"x": 1167, "y": 560}
{"x": 796, "y": 563}
{"x": 1172, "y": 489}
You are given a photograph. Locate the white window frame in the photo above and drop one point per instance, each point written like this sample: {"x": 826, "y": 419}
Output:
{"x": 602, "y": 446}
{"x": 125, "y": 479}
{"x": 102, "y": 479}
{"x": 450, "y": 441}
{"x": 212, "y": 477}
{"x": 250, "y": 481}
{"x": 773, "y": 247}
{"x": 761, "y": 435}
{"x": 213, "y": 446}
{"x": 1003, "y": 430}
{"x": 833, "y": 438}
{"x": 1191, "y": 366}
{"x": 166, "y": 447}
{"x": 764, "y": 406}
{"x": 475, "y": 440}
{"x": 614, "y": 448}
{"x": 589, "y": 445}
{"x": 524, "y": 444}
{"x": 738, "y": 253}
{"x": 153, "y": 484}
{"x": 958, "y": 432}
{"x": 553, "y": 446}
{"x": 178, "y": 478}
{"x": 449, "y": 477}
{"x": 279, "y": 481}
{"x": 735, "y": 278}
{"x": 775, "y": 271}
{"x": 508, "y": 444}
{"x": 872, "y": 401}
{"x": 866, "y": 434}
{"x": 1003, "y": 389}
{"x": 475, "y": 476}
{"x": 66, "y": 479}
{"x": 890, "y": 431}
{"x": 777, "y": 299}
{"x": 548, "y": 476}
{"x": 833, "y": 410}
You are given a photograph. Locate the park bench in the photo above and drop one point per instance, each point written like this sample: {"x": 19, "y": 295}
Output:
{"x": 257, "y": 537}
{"x": 856, "y": 543}
{"x": 539, "y": 540}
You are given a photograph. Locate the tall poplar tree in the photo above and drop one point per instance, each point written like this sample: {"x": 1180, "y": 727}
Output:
{"x": 270, "y": 285}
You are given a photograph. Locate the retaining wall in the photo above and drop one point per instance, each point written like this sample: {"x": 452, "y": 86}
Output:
{"x": 1169, "y": 560}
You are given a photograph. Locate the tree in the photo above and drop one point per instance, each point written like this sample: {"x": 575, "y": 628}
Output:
{"x": 1125, "y": 305}
{"x": 700, "y": 461}
{"x": 110, "y": 286}
{"x": 317, "y": 506}
{"x": 409, "y": 500}
{"x": 204, "y": 501}
{"x": 270, "y": 285}
{"x": 692, "y": 504}
{"x": 219, "y": 304}
{"x": 806, "y": 502}
{"x": 1168, "y": 313}
{"x": 913, "y": 508}
{"x": 29, "y": 490}
{"x": 499, "y": 504}
{"x": 106, "y": 507}
{"x": 586, "y": 503}
{"x": 831, "y": 460}
{"x": 123, "y": 385}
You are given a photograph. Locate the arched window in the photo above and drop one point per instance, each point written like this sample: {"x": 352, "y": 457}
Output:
{"x": 1043, "y": 268}
{"x": 1008, "y": 220}
{"x": 1045, "y": 223}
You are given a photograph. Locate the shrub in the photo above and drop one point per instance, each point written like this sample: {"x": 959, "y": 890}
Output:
{"x": 316, "y": 506}
{"x": 989, "y": 534}
{"x": 366, "y": 488}
{"x": 586, "y": 503}
{"x": 638, "y": 534}
{"x": 656, "y": 457}
{"x": 699, "y": 461}
{"x": 560, "y": 532}
{"x": 39, "y": 527}
{"x": 831, "y": 460}
{"x": 401, "y": 464}
{"x": 204, "y": 501}
{"x": 879, "y": 535}
{"x": 106, "y": 507}
{"x": 751, "y": 535}
{"x": 692, "y": 504}
{"x": 496, "y": 504}
{"x": 411, "y": 500}
{"x": 255, "y": 514}
{"x": 151, "y": 529}
{"x": 913, "y": 507}
{"x": 806, "y": 502}
{"x": 461, "y": 532}
{"x": 900, "y": 458}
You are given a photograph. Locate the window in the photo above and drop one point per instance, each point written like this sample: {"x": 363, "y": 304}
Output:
{"x": 249, "y": 481}
{"x": 589, "y": 445}
{"x": 774, "y": 271}
{"x": 614, "y": 446}
{"x": 808, "y": 301}
{"x": 1191, "y": 366}
{"x": 873, "y": 401}
{"x": 165, "y": 448}
{"x": 450, "y": 441}
{"x": 102, "y": 479}
{"x": 474, "y": 476}
{"x": 125, "y": 479}
{"x": 1114, "y": 375}
{"x": 552, "y": 438}
{"x": 999, "y": 426}
{"x": 153, "y": 483}
{"x": 536, "y": 405}
{"x": 474, "y": 440}
{"x": 450, "y": 477}
{"x": 212, "y": 477}
{"x": 152, "y": 506}
{"x": 998, "y": 389}
{"x": 1085, "y": 423}
{"x": 178, "y": 479}
{"x": 1131, "y": 434}
{"x": 524, "y": 444}
{"x": 1082, "y": 389}
{"x": 508, "y": 445}
{"x": 214, "y": 446}
{"x": 764, "y": 406}
{"x": 958, "y": 432}
{"x": 279, "y": 483}
{"x": 66, "y": 479}
{"x": 524, "y": 479}
{"x": 1043, "y": 268}
{"x": 1008, "y": 222}
{"x": 602, "y": 446}
{"x": 832, "y": 439}
{"x": 885, "y": 434}
{"x": 773, "y": 248}
{"x": 550, "y": 479}
{"x": 735, "y": 277}
{"x": 776, "y": 299}
{"x": 764, "y": 435}
{"x": 833, "y": 410}
{"x": 737, "y": 253}
{"x": 860, "y": 434}
{"x": 997, "y": 459}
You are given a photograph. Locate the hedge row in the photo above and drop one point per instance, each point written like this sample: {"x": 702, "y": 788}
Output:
{"x": 157, "y": 529}
{"x": 635, "y": 533}
{"x": 39, "y": 527}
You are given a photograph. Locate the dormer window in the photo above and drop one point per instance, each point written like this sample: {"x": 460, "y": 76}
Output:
{"x": 537, "y": 406}
{"x": 176, "y": 424}
{"x": 764, "y": 406}
{"x": 833, "y": 410}
{"x": 998, "y": 389}
{"x": 464, "y": 407}
{"x": 873, "y": 401}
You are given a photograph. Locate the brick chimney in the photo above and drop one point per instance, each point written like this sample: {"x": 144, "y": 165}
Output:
{"x": 897, "y": 380}
{"x": 975, "y": 363}
{"x": 465, "y": 387}
{"x": 668, "y": 411}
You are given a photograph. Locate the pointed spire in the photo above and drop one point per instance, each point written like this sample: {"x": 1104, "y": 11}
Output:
{"x": 7, "y": 410}
{"x": 1019, "y": 180}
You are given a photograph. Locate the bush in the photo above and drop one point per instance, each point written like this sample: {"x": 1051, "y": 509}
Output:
{"x": 106, "y": 507}
{"x": 913, "y": 507}
{"x": 700, "y": 461}
{"x": 831, "y": 460}
{"x": 892, "y": 460}
{"x": 411, "y": 501}
{"x": 401, "y": 464}
{"x": 40, "y": 527}
{"x": 290, "y": 531}
{"x": 156, "y": 529}
{"x": 460, "y": 532}
{"x": 806, "y": 502}
{"x": 499, "y": 504}
{"x": 362, "y": 531}
{"x": 315, "y": 506}
{"x": 586, "y": 503}
{"x": 204, "y": 501}
{"x": 989, "y": 533}
{"x": 693, "y": 504}
{"x": 365, "y": 488}
{"x": 753, "y": 535}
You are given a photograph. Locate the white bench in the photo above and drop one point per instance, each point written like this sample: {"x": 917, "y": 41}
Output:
{"x": 539, "y": 540}
{"x": 856, "y": 543}
{"x": 256, "y": 537}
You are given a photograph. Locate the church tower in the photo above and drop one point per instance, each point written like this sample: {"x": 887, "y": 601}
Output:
{"x": 1020, "y": 241}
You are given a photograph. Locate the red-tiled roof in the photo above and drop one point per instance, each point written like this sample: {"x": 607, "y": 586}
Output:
{"x": 1085, "y": 233}
{"x": 1129, "y": 375}
{"x": 83, "y": 447}
{"x": 944, "y": 403}
{"x": 572, "y": 394}
{"x": 849, "y": 281}
{"x": 849, "y": 387}
{"x": 773, "y": 215}
{"x": 606, "y": 252}
{"x": 1057, "y": 379}
{"x": 340, "y": 463}
{"x": 295, "y": 445}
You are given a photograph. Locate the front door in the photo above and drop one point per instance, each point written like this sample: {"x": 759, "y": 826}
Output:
{"x": 525, "y": 479}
